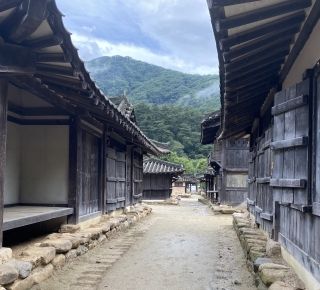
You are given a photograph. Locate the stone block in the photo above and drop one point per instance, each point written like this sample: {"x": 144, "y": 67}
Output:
{"x": 21, "y": 284}
{"x": 23, "y": 267}
{"x": 8, "y": 274}
{"x": 278, "y": 285}
{"x": 61, "y": 245}
{"x": 258, "y": 262}
{"x": 59, "y": 261}
{"x": 270, "y": 273}
{"x": 273, "y": 248}
{"x": 69, "y": 228}
{"x": 38, "y": 255}
{"x": 93, "y": 232}
{"x": 42, "y": 273}
{"x": 5, "y": 255}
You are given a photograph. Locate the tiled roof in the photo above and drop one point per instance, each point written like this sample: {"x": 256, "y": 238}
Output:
{"x": 157, "y": 166}
{"x": 52, "y": 66}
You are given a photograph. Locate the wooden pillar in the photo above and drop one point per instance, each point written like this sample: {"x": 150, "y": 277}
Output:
{"x": 75, "y": 144}
{"x": 3, "y": 144}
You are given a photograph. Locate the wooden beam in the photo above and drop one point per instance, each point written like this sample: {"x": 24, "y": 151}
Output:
{"x": 307, "y": 29}
{"x": 37, "y": 88}
{"x": 290, "y": 105}
{"x": 249, "y": 76}
{"x": 252, "y": 64}
{"x": 263, "y": 43}
{"x": 52, "y": 57}
{"x": 257, "y": 57}
{"x": 63, "y": 82}
{"x": 275, "y": 66}
{"x": 290, "y": 143}
{"x": 3, "y": 144}
{"x": 261, "y": 14}
{"x": 35, "y": 111}
{"x": 43, "y": 42}
{"x": 211, "y": 3}
{"x": 56, "y": 69}
{"x": 25, "y": 20}
{"x": 270, "y": 78}
{"x": 268, "y": 28}
{"x": 291, "y": 183}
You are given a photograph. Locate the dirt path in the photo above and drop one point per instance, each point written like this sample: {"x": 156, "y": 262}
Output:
{"x": 177, "y": 247}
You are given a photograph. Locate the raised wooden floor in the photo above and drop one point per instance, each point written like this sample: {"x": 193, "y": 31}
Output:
{"x": 19, "y": 216}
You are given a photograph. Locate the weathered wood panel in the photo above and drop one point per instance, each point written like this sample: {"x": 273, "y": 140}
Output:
{"x": 90, "y": 193}
{"x": 157, "y": 186}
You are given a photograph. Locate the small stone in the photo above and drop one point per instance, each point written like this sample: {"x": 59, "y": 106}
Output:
{"x": 273, "y": 248}
{"x": 114, "y": 223}
{"x": 278, "y": 285}
{"x": 228, "y": 211}
{"x": 81, "y": 250}
{"x": 23, "y": 267}
{"x": 42, "y": 273}
{"x": 24, "y": 284}
{"x": 72, "y": 254}
{"x": 69, "y": 228}
{"x": 126, "y": 224}
{"x": 39, "y": 255}
{"x": 258, "y": 262}
{"x": 106, "y": 227}
{"x": 93, "y": 244}
{"x": 8, "y": 274}
{"x": 273, "y": 266}
{"x": 59, "y": 261}
{"x": 5, "y": 255}
{"x": 102, "y": 238}
{"x": 236, "y": 282}
{"x": 61, "y": 245}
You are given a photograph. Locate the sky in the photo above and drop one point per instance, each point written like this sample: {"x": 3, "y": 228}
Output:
{"x": 174, "y": 34}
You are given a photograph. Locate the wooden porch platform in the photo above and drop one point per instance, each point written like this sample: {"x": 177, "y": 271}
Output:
{"x": 19, "y": 216}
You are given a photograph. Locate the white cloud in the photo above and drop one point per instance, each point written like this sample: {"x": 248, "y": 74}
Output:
{"x": 93, "y": 47}
{"x": 175, "y": 34}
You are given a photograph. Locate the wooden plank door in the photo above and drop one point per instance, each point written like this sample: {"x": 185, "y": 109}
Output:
{"x": 90, "y": 197}
{"x": 111, "y": 179}
{"x": 121, "y": 178}
{"x": 137, "y": 175}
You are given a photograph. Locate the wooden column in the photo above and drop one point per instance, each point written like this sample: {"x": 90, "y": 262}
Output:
{"x": 3, "y": 143}
{"x": 74, "y": 169}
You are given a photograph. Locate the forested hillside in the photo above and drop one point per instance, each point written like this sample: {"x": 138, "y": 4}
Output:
{"x": 169, "y": 105}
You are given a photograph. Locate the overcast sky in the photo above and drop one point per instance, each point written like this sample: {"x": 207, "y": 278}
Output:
{"x": 175, "y": 34}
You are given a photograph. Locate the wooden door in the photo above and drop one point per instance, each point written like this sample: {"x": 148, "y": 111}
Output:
{"x": 137, "y": 175}
{"x": 111, "y": 191}
{"x": 121, "y": 178}
{"x": 89, "y": 193}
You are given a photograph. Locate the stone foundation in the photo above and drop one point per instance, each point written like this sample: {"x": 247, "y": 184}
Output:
{"x": 37, "y": 263}
{"x": 264, "y": 257}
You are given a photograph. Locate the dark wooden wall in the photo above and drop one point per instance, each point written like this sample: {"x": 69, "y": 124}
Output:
{"x": 157, "y": 186}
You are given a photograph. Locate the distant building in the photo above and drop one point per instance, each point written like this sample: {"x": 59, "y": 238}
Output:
{"x": 158, "y": 176}
{"x": 226, "y": 178}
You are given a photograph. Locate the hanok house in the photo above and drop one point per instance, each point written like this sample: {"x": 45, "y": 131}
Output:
{"x": 186, "y": 183}
{"x": 158, "y": 176}
{"x": 65, "y": 150}
{"x": 269, "y": 55}
{"x": 226, "y": 180}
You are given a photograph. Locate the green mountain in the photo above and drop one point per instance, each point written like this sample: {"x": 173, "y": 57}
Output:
{"x": 169, "y": 105}
{"x": 153, "y": 84}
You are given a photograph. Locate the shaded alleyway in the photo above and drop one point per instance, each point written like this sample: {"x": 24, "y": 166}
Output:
{"x": 177, "y": 247}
